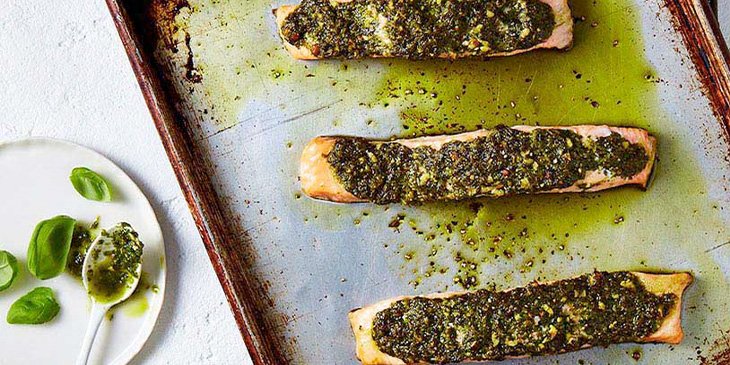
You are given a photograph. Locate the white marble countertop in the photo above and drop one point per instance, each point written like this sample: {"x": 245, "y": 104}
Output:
{"x": 64, "y": 74}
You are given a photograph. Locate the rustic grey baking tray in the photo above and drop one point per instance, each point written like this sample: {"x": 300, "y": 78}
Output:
{"x": 234, "y": 111}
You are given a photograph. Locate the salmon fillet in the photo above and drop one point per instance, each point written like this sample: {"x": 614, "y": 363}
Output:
{"x": 670, "y": 331}
{"x": 561, "y": 37}
{"x": 319, "y": 181}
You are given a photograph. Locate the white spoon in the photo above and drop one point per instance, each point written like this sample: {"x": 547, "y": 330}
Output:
{"x": 118, "y": 244}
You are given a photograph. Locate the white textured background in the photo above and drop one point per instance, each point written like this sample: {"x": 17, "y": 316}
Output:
{"x": 64, "y": 74}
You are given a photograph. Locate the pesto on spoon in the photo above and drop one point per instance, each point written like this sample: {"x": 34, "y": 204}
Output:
{"x": 111, "y": 272}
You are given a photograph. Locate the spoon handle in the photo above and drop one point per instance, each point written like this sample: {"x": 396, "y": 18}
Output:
{"x": 97, "y": 316}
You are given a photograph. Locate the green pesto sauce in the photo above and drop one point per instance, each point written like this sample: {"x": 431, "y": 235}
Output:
{"x": 118, "y": 268}
{"x": 138, "y": 303}
{"x": 595, "y": 309}
{"x": 506, "y": 161}
{"x": 417, "y": 29}
{"x": 80, "y": 243}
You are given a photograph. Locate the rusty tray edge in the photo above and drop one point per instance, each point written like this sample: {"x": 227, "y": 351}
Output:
{"x": 195, "y": 186}
{"x": 700, "y": 33}
{"x": 708, "y": 50}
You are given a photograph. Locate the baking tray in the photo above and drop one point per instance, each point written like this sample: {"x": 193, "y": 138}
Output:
{"x": 233, "y": 112}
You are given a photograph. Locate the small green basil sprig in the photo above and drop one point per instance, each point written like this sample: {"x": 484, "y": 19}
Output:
{"x": 37, "y": 307}
{"x": 91, "y": 185}
{"x": 8, "y": 269}
{"x": 49, "y": 247}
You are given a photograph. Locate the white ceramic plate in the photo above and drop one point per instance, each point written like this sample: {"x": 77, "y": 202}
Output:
{"x": 34, "y": 185}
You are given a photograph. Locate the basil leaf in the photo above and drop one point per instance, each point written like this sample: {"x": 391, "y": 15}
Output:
{"x": 38, "y": 306}
{"x": 49, "y": 247}
{"x": 91, "y": 185}
{"x": 8, "y": 269}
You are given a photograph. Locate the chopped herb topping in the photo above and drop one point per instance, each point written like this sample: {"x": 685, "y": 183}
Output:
{"x": 595, "y": 309}
{"x": 417, "y": 29}
{"x": 505, "y": 161}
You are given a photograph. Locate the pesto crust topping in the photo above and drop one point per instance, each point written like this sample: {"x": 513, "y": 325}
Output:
{"x": 596, "y": 309}
{"x": 506, "y": 161}
{"x": 417, "y": 29}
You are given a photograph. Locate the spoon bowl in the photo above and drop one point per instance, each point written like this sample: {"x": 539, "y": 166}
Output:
{"x": 111, "y": 272}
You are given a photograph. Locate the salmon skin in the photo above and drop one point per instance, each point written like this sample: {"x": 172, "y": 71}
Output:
{"x": 421, "y": 29}
{"x": 488, "y": 162}
{"x": 669, "y": 329}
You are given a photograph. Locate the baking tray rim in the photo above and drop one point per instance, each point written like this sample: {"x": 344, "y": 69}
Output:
{"x": 693, "y": 19}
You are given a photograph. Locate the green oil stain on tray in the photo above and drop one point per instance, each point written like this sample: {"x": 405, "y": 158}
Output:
{"x": 603, "y": 79}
